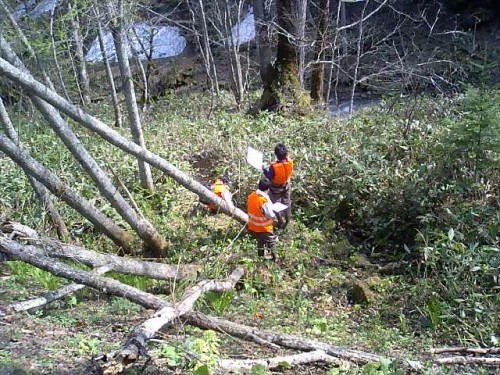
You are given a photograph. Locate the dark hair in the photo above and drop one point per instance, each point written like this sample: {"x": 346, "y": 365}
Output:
{"x": 225, "y": 179}
{"x": 280, "y": 151}
{"x": 264, "y": 184}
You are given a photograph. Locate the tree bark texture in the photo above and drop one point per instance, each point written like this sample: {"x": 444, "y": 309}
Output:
{"x": 285, "y": 92}
{"x": 262, "y": 31}
{"x": 119, "y": 31}
{"x": 318, "y": 67}
{"x": 30, "y": 84}
{"x": 284, "y": 340}
{"x": 243, "y": 365}
{"x": 153, "y": 240}
{"x": 60, "y": 190}
{"x": 39, "y": 189}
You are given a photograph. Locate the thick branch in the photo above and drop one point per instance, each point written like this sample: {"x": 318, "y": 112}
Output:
{"x": 460, "y": 360}
{"x": 239, "y": 366}
{"x": 284, "y": 340}
{"x": 462, "y": 349}
{"x": 62, "y": 191}
{"x": 136, "y": 343}
{"x": 48, "y": 297}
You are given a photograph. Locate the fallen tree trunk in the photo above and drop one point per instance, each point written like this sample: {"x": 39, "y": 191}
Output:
{"x": 284, "y": 340}
{"x": 57, "y": 187}
{"x": 48, "y": 297}
{"x": 197, "y": 319}
{"x": 106, "y": 285}
{"x": 136, "y": 343}
{"x": 461, "y": 349}
{"x": 55, "y": 249}
{"x": 38, "y": 188}
{"x": 461, "y": 360}
{"x": 27, "y": 82}
{"x": 242, "y": 365}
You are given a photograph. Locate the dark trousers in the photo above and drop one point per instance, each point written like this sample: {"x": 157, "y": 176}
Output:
{"x": 283, "y": 195}
{"x": 265, "y": 240}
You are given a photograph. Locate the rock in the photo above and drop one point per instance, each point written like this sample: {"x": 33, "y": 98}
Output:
{"x": 359, "y": 293}
{"x": 341, "y": 249}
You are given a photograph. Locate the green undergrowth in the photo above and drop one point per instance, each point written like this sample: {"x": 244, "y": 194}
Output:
{"x": 411, "y": 185}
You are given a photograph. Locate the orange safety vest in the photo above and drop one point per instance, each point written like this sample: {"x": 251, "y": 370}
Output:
{"x": 218, "y": 188}
{"x": 257, "y": 221}
{"x": 282, "y": 171}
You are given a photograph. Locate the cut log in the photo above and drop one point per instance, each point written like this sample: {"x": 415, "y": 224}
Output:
{"x": 461, "y": 360}
{"x": 48, "y": 297}
{"x": 136, "y": 343}
{"x": 238, "y": 366}
{"x": 461, "y": 349}
{"x": 55, "y": 249}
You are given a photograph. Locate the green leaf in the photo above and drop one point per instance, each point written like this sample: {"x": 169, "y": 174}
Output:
{"x": 202, "y": 370}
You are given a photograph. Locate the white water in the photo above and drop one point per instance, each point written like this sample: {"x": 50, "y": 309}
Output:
{"x": 165, "y": 41}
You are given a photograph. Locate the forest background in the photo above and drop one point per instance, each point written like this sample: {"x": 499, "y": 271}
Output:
{"x": 390, "y": 110}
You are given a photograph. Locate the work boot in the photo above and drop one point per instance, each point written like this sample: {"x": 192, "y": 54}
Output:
{"x": 270, "y": 255}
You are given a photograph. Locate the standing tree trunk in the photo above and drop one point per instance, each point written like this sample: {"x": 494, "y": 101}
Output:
{"x": 109, "y": 72}
{"x": 285, "y": 91}
{"x": 262, "y": 31}
{"x": 81, "y": 67}
{"x": 301, "y": 17}
{"x": 153, "y": 240}
{"x": 120, "y": 38}
{"x": 39, "y": 189}
{"x": 62, "y": 191}
{"x": 54, "y": 55}
{"x": 233, "y": 51}
{"x": 319, "y": 48}
{"x": 203, "y": 44}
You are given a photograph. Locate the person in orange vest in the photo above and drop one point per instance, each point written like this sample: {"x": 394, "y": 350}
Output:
{"x": 220, "y": 187}
{"x": 261, "y": 218}
{"x": 280, "y": 173}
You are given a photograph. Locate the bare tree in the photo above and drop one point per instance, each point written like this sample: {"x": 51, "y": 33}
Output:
{"x": 5, "y": 11}
{"x": 198, "y": 16}
{"x": 320, "y": 44}
{"x": 53, "y": 46}
{"x": 300, "y": 15}
{"x": 119, "y": 26}
{"x": 262, "y": 33}
{"x": 81, "y": 67}
{"x": 109, "y": 72}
